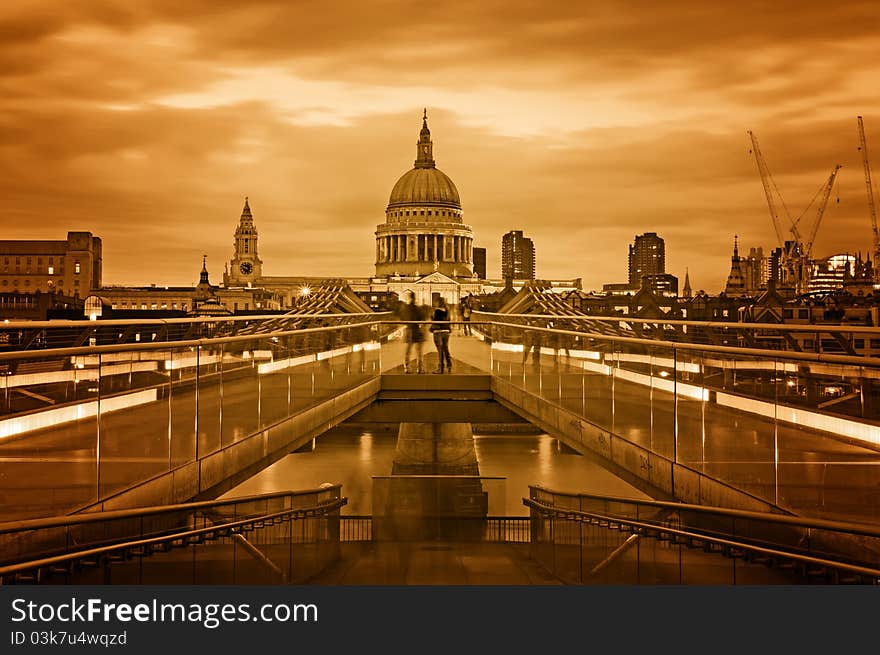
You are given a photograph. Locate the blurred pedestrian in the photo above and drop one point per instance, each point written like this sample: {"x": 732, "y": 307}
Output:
{"x": 415, "y": 337}
{"x": 466, "y": 315}
{"x": 440, "y": 328}
{"x": 531, "y": 340}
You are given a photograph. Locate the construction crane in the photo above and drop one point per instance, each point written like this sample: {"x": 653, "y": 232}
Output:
{"x": 820, "y": 211}
{"x": 795, "y": 262}
{"x": 863, "y": 146}
{"x": 767, "y": 180}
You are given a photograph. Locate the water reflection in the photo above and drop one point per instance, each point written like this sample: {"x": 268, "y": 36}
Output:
{"x": 365, "y": 450}
{"x": 353, "y": 456}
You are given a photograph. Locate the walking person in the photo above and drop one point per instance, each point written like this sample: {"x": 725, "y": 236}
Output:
{"x": 531, "y": 340}
{"x": 440, "y": 328}
{"x": 466, "y": 315}
{"x": 415, "y": 337}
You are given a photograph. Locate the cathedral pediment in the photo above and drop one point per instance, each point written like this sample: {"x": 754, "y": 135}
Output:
{"x": 436, "y": 278}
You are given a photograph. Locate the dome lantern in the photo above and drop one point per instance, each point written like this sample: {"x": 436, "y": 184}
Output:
{"x": 424, "y": 148}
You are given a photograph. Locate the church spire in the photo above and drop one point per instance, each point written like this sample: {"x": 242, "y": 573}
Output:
{"x": 424, "y": 148}
{"x": 736, "y": 281}
{"x": 687, "y": 292}
{"x": 246, "y": 211}
{"x": 203, "y": 277}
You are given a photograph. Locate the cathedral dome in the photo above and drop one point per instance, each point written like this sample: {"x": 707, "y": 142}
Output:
{"x": 424, "y": 228}
{"x": 424, "y": 186}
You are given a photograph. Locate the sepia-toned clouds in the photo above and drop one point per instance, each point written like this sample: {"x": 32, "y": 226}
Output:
{"x": 580, "y": 123}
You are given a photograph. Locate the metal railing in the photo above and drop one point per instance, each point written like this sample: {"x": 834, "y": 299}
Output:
{"x": 672, "y": 398}
{"x": 132, "y": 412}
{"x": 596, "y": 538}
{"x": 58, "y": 535}
{"x": 492, "y": 529}
{"x": 61, "y": 549}
{"x": 861, "y": 340}
{"x": 355, "y": 527}
{"x": 809, "y": 416}
{"x": 54, "y": 334}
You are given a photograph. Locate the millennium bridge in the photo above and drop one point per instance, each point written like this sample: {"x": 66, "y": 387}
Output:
{"x": 756, "y": 459}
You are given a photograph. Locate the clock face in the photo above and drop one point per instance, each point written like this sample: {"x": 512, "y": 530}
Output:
{"x": 246, "y": 268}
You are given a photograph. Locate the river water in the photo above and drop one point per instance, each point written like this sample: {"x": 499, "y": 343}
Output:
{"x": 352, "y": 456}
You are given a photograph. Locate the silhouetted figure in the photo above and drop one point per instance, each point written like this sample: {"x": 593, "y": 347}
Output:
{"x": 414, "y": 335}
{"x": 559, "y": 342}
{"x": 466, "y": 314}
{"x": 531, "y": 342}
{"x": 441, "y": 330}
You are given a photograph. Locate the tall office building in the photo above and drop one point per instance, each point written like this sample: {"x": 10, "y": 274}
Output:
{"x": 480, "y": 262}
{"x": 517, "y": 256}
{"x": 755, "y": 270}
{"x": 647, "y": 256}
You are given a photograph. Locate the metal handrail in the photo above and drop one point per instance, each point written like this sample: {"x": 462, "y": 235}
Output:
{"x": 170, "y": 345}
{"x": 21, "y": 325}
{"x": 813, "y": 327}
{"x": 672, "y": 345}
{"x": 96, "y": 517}
{"x": 681, "y": 345}
{"x": 230, "y": 527}
{"x": 847, "y": 527}
{"x": 440, "y": 477}
{"x": 643, "y": 528}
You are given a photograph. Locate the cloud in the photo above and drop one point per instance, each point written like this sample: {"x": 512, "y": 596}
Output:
{"x": 148, "y": 122}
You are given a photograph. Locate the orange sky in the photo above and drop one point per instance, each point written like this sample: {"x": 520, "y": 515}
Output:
{"x": 581, "y": 124}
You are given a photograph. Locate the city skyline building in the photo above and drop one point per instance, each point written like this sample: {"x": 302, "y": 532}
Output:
{"x": 480, "y": 263}
{"x": 756, "y": 270}
{"x": 647, "y": 256}
{"x": 517, "y": 256}
{"x": 830, "y": 274}
{"x": 71, "y": 267}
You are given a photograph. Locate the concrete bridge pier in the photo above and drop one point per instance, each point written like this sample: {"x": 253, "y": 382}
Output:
{"x": 447, "y": 503}
{"x": 435, "y": 449}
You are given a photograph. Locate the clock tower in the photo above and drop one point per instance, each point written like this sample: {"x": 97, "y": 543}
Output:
{"x": 246, "y": 267}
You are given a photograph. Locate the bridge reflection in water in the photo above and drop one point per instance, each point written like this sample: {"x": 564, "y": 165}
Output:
{"x": 136, "y": 422}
